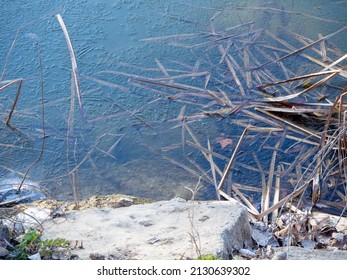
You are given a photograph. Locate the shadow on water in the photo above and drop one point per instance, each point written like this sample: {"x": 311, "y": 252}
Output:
{"x": 156, "y": 80}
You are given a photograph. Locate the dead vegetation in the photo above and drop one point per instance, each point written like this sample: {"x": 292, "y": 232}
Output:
{"x": 278, "y": 102}
{"x": 302, "y": 116}
{"x": 282, "y": 97}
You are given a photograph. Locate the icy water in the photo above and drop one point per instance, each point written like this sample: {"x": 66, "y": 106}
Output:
{"x": 126, "y": 139}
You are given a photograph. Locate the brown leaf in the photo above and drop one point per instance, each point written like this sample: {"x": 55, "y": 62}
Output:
{"x": 283, "y": 232}
{"x": 328, "y": 230}
{"x": 223, "y": 141}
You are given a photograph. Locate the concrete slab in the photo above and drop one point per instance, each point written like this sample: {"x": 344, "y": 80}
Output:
{"x": 175, "y": 229}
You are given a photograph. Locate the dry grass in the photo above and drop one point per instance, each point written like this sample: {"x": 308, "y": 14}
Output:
{"x": 301, "y": 115}
{"x": 286, "y": 124}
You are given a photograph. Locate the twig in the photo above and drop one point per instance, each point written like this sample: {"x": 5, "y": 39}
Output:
{"x": 15, "y": 100}
{"x": 219, "y": 187}
{"x": 213, "y": 169}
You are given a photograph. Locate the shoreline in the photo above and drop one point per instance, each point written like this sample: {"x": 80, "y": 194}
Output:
{"x": 59, "y": 219}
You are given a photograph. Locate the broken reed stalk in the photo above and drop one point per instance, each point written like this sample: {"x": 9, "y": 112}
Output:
{"x": 276, "y": 194}
{"x": 163, "y": 69}
{"x": 20, "y": 81}
{"x": 292, "y": 126}
{"x": 323, "y": 48}
{"x": 249, "y": 128}
{"x": 252, "y": 211}
{"x": 314, "y": 169}
{"x": 244, "y": 199}
{"x": 291, "y": 49}
{"x": 42, "y": 116}
{"x": 226, "y": 171}
{"x": 75, "y": 176}
{"x": 205, "y": 154}
{"x": 277, "y": 203}
{"x": 202, "y": 171}
{"x": 70, "y": 120}
{"x": 208, "y": 151}
{"x": 182, "y": 119}
{"x": 73, "y": 63}
{"x": 266, "y": 193}
{"x": 330, "y": 66}
{"x": 88, "y": 155}
{"x": 246, "y": 61}
{"x": 232, "y": 70}
{"x": 341, "y": 137}
{"x": 262, "y": 175}
{"x": 283, "y": 201}
{"x": 9, "y": 53}
{"x": 105, "y": 83}
{"x": 305, "y": 47}
{"x": 311, "y": 87}
{"x": 213, "y": 169}
{"x": 181, "y": 165}
{"x": 313, "y": 75}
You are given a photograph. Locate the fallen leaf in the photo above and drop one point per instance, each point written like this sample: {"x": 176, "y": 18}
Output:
{"x": 223, "y": 142}
{"x": 283, "y": 232}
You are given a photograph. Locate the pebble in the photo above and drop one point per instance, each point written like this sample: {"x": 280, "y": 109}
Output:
{"x": 5, "y": 236}
{"x": 97, "y": 256}
{"x": 3, "y": 252}
{"x": 146, "y": 223}
{"x": 282, "y": 255}
{"x": 35, "y": 257}
{"x": 247, "y": 253}
{"x": 61, "y": 254}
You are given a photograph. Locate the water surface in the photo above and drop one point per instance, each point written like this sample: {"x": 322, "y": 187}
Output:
{"x": 127, "y": 129}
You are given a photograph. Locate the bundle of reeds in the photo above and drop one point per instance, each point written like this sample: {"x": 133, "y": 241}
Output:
{"x": 283, "y": 98}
